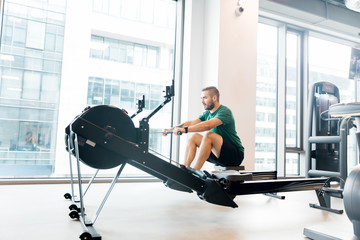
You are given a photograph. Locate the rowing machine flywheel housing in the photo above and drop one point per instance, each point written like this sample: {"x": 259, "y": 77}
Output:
{"x": 113, "y": 120}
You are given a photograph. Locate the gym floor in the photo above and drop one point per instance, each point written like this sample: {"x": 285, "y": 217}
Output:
{"x": 152, "y": 211}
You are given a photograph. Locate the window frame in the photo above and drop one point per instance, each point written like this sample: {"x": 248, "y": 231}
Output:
{"x": 302, "y": 86}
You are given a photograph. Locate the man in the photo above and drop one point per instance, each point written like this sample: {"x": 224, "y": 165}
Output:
{"x": 221, "y": 144}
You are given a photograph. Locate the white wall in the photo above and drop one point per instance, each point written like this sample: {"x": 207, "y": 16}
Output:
{"x": 220, "y": 50}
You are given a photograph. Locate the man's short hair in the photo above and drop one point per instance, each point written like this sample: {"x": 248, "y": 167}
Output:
{"x": 213, "y": 91}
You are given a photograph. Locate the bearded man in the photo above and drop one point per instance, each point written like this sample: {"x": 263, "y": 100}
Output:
{"x": 219, "y": 143}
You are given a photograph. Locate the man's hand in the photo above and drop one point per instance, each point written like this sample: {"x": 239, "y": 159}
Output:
{"x": 176, "y": 131}
{"x": 166, "y": 130}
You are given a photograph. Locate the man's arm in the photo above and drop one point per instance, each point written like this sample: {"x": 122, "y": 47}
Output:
{"x": 189, "y": 123}
{"x": 198, "y": 126}
{"x": 181, "y": 126}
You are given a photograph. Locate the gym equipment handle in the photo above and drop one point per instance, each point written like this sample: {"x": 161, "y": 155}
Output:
{"x": 170, "y": 132}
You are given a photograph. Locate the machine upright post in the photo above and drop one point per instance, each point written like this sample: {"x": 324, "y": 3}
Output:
{"x": 343, "y": 149}
{"x": 82, "y": 208}
{"x": 71, "y": 170}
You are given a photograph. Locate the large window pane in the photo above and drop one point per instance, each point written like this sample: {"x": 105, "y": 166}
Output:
{"x": 293, "y": 111}
{"x": 95, "y": 91}
{"x": 49, "y": 87}
{"x": 333, "y": 66}
{"x": 292, "y": 78}
{"x": 266, "y": 88}
{"x": 30, "y": 86}
{"x": 287, "y": 53}
{"x": 292, "y": 163}
{"x": 35, "y": 37}
{"x": 11, "y": 83}
{"x": 52, "y": 77}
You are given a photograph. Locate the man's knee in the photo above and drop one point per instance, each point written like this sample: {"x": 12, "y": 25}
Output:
{"x": 210, "y": 136}
{"x": 195, "y": 138}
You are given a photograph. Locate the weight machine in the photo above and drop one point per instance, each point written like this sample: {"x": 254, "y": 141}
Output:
{"x": 326, "y": 152}
{"x": 350, "y": 194}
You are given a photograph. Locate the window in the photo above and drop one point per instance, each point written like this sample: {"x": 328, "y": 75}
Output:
{"x": 31, "y": 85}
{"x": 122, "y": 93}
{"x": 124, "y": 51}
{"x": 293, "y": 98}
{"x": 35, "y": 36}
{"x": 266, "y": 99}
{"x": 281, "y": 86}
{"x": 49, "y": 78}
{"x": 333, "y": 66}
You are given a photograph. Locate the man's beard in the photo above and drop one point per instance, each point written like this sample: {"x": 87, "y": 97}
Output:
{"x": 210, "y": 106}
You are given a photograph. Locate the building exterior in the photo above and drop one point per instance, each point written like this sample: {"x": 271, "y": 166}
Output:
{"x": 65, "y": 56}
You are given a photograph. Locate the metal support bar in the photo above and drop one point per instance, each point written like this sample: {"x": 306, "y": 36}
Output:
{"x": 108, "y": 192}
{"x": 325, "y": 139}
{"x": 274, "y": 195}
{"x": 91, "y": 181}
{"x": 71, "y": 170}
{"x": 274, "y": 186}
{"x": 343, "y": 149}
{"x": 82, "y": 208}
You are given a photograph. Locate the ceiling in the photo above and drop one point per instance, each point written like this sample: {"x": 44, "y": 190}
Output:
{"x": 331, "y": 15}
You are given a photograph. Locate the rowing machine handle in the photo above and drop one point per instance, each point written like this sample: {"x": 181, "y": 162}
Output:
{"x": 170, "y": 132}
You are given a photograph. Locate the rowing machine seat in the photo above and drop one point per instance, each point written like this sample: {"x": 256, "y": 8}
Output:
{"x": 222, "y": 168}
{"x": 232, "y": 176}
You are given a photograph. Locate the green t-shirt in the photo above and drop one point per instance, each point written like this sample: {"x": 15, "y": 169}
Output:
{"x": 227, "y": 129}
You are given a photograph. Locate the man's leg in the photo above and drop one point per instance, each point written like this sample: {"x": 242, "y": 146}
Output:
{"x": 210, "y": 142}
{"x": 192, "y": 145}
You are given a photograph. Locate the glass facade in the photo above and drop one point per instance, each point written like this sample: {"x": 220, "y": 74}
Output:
{"x": 30, "y": 69}
{"x": 52, "y": 66}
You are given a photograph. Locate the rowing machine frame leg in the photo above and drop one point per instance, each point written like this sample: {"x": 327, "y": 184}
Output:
{"x": 73, "y": 197}
{"x": 87, "y": 224}
{"x": 275, "y": 195}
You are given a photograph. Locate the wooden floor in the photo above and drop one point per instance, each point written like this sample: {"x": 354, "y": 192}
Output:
{"x": 152, "y": 211}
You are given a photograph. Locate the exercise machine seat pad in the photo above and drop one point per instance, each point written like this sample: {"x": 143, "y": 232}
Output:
{"x": 232, "y": 176}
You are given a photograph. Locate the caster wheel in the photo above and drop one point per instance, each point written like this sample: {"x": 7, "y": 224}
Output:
{"x": 74, "y": 207}
{"x": 85, "y": 236}
{"x": 74, "y": 214}
{"x": 67, "y": 196}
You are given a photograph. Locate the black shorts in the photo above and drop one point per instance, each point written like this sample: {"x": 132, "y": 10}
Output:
{"x": 230, "y": 155}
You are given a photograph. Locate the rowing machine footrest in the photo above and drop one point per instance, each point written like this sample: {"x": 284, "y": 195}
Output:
{"x": 215, "y": 193}
{"x": 232, "y": 176}
{"x": 176, "y": 186}
{"x": 222, "y": 168}
{"x": 195, "y": 172}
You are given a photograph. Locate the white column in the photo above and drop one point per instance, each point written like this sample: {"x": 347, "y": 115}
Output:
{"x": 220, "y": 50}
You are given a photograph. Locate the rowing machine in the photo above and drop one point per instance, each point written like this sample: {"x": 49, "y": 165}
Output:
{"x": 105, "y": 137}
